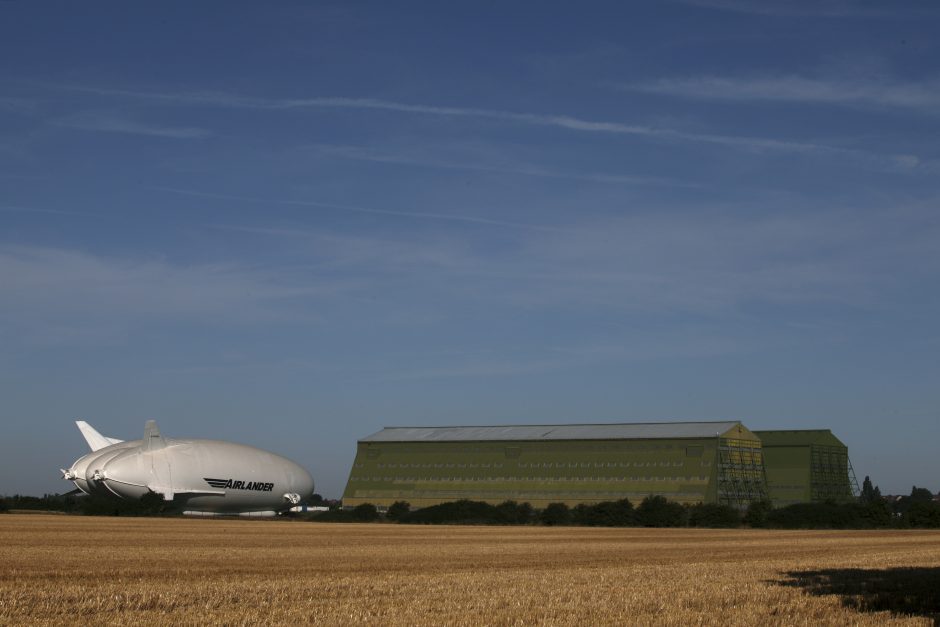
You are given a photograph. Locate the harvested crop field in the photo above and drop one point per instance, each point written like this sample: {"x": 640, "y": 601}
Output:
{"x": 80, "y": 570}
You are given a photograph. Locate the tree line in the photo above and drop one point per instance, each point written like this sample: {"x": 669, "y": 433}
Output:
{"x": 92, "y": 505}
{"x": 869, "y": 511}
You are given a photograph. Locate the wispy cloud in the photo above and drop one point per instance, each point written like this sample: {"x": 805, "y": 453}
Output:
{"x": 360, "y": 153}
{"x": 518, "y": 361}
{"x": 923, "y": 95}
{"x": 218, "y": 99}
{"x": 496, "y": 366}
{"x": 702, "y": 264}
{"x": 61, "y": 212}
{"x": 17, "y": 105}
{"x": 52, "y": 284}
{"x": 419, "y": 215}
{"x": 117, "y": 124}
{"x": 816, "y": 8}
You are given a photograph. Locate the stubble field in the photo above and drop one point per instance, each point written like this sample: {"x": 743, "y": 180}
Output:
{"x": 85, "y": 570}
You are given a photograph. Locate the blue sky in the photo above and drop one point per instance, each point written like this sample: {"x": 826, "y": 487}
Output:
{"x": 293, "y": 225}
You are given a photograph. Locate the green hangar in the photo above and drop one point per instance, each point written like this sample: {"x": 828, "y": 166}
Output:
{"x": 807, "y": 466}
{"x": 687, "y": 462}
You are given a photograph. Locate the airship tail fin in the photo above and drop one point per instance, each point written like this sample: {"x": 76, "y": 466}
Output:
{"x": 95, "y": 440}
{"x": 153, "y": 441}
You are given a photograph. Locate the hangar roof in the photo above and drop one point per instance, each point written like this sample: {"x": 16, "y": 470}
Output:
{"x": 799, "y": 437}
{"x": 631, "y": 431}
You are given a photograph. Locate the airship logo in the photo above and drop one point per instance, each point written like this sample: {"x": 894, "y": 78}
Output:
{"x": 231, "y": 484}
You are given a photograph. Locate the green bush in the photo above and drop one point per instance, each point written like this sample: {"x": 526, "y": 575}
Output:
{"x": 757, "y": 513}
{"x": 713, "y": 515}
{"x": 922, "y": 514}
{"x": 512, "y": 513}
{"x": 46, "y": 502}
{"x": 827, "y": 515}
{"x": 466, "y": 512}
{"x": 658, "y": 511}
{"x": 398, "y": 509}
{"x": 333, "y": 515}
{"x": 876, "y": 514}
{"x": 555, "y": 514}
{"x": 102, "y": 505}
{"x": 456, "y": 512}
{"x": 605, "y": 514}
{"x": 367, "y": 512}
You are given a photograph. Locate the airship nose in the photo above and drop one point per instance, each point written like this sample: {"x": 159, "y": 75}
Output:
{"x": 304, "y": 484}
{"x": 125, "y": 474}
{"x": 94, "y": 470}
{"x": 73, "y": 476}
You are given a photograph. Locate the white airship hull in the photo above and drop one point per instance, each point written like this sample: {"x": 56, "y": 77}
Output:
{"x": 197, "y": 476}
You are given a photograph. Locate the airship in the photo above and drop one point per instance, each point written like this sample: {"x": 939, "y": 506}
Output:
{"x": 197, "y": 477}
